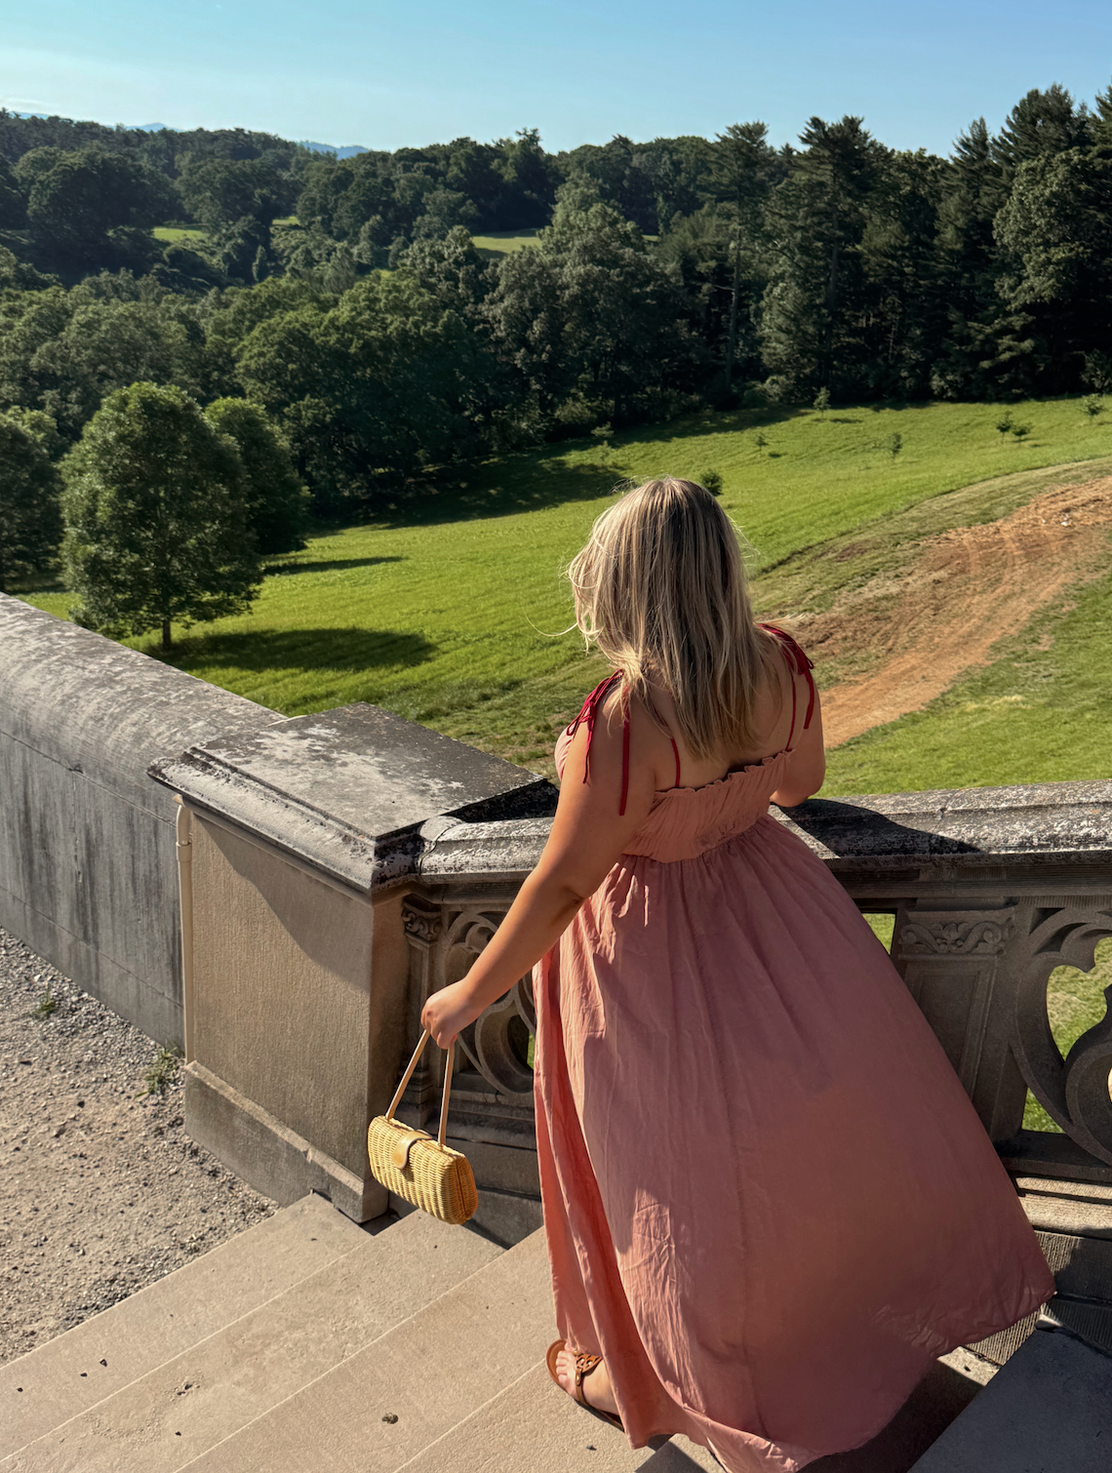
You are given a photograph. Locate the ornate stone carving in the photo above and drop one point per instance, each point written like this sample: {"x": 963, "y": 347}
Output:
{"x": 496, "y": 1045}
{"x": 1074, "y": 1091}
{"x": 976, "y": 937}
{"x": 421, "y": 921}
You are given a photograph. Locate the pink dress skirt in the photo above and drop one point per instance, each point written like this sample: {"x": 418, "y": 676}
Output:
{"x": 768, "y": 1201}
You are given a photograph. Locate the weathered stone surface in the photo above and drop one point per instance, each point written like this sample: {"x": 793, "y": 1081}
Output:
{"x": 961, "y": 828}
{"x": 87, "y": 870}
{"x": 1048, "y": 1410}
{"x": 965, "y": 827}
{"x": 66, "y": 1376}
{"x": 491, "y": 851}
{"x": 347, "y": 791}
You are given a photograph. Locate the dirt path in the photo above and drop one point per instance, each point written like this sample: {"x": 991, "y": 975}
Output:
{"x": 965, "y": 590}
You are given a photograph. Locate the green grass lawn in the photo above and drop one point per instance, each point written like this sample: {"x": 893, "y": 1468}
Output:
{"x": 449, "y": 607}
{"x": 502, "y": 242}
{"x": 171, "y": 233}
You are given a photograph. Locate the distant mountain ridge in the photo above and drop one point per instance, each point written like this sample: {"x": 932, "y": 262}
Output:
{"x": 344, "y": 151}
{"x": 349, "y": 150}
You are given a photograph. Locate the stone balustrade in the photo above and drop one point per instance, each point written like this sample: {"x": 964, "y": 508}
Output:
{"x": 990, "y": 890}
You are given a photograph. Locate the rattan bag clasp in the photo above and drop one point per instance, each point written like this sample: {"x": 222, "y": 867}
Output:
{"x": 414, "y": 1166}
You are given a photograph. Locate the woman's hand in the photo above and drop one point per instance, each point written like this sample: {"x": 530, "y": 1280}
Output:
{"x": 448, "y": 1012}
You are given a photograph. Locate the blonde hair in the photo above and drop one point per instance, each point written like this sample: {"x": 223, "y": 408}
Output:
{"x": 660, "y": 589}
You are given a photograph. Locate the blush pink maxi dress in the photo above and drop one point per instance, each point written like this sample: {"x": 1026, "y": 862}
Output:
{"x": 768, "y": 1202}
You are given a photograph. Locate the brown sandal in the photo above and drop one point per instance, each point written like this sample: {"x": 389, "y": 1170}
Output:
{"x": 584, "y": 1365}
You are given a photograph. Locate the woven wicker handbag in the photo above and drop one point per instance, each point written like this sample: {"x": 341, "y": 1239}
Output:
{"x": 417, "y": 1168}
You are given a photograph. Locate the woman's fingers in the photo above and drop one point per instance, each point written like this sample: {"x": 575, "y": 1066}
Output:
{"x": 440, "y": 1035}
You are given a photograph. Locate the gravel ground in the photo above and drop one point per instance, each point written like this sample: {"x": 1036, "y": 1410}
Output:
{"x": 102, "y": 1191}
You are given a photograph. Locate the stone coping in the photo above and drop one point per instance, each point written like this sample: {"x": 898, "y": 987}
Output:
{"x": 948, "y": 831}
{"x": 101, "y": 709}
{"x": 346, "y": 791}
{"x": 372, "y": 800}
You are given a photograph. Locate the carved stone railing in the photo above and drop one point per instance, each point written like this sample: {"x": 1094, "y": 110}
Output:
{"x": 346, "y": 865}
{"x": 990, "y": 890}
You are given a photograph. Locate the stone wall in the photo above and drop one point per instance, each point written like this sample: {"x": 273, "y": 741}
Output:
{"x": 87, "y": 870}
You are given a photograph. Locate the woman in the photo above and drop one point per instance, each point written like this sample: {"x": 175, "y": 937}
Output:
{"x": 768, "y": 1202}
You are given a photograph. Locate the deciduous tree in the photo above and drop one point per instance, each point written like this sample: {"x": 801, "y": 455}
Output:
{"x": 156, "y": 517}
{"x": 277, "y": 503}
{"x": 30, "y": 520}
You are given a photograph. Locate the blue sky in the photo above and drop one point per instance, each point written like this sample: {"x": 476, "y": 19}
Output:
{"x": 385, "y": 75}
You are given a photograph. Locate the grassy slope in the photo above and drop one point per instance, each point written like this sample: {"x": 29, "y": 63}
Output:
{"x": 435, "y": 610}
{"x": 169, "y": 233}
{"x": 502, "y": 242}
{"x": 444, "y": 609}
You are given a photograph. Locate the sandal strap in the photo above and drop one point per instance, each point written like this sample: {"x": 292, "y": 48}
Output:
{"x": 584, "y": 1365}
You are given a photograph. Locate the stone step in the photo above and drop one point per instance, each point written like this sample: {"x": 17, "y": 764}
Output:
{"x": 385, "y": 1405}
{"x": 1049, "y": 1410}
{"x": 94, "y": 1360}
{"x": 172, "y": 1414}
{"x": 1089, "y": 1320}
{"x": 534, "y": 1427}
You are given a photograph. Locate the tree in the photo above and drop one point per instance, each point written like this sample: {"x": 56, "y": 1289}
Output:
{"x": 742, "y": 172}
{"x": 89, "y": 208}
{"x": 452, "y": 272}
{"x": 812, "y": 306}
{"x": 613, "y": 171}
{"x": 13, "y": 202}
{"x": 30, "y": 520}
{"x": 822, "y": 403}
{"x": 1042, "y": 124}
{"x": 219, "y": 192}
{"x": 902, "y": 306}
{"x": 156, "y": 517}
{"x": 1097, "y": 372}
{"x": 968, "y": 265}
{"x": 110, "y": 342}
{"x": 277, "y": 503}
{"x": 1055, "y": 237}
{"x": 592, "y": 321}
{"x": 384, "y": 384}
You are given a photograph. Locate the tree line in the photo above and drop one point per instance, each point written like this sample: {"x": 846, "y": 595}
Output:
{"x": 346, "y": 304}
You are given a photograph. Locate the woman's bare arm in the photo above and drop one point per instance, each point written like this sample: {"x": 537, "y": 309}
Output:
{"x": 588, "y": 835}
{"x": 806, "y": 767}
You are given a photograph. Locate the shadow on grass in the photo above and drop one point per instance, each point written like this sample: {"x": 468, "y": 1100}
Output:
{"x": 276, "y": 570}
{"x": 547, "y": 482}
{"x": 533, "y": 480}
{"x": 301, "y": 649}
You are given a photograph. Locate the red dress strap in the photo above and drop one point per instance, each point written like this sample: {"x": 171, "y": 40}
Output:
{"x": 587, "y": 716}
{"x": 798, "y": 664}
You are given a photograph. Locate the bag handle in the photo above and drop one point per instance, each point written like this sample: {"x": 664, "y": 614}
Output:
{"x": 396, "y": 1101}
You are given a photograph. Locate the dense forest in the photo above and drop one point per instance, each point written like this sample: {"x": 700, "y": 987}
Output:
{"x": 346, "y": 299}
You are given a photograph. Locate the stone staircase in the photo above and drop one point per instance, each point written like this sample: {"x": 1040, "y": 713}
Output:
{"x": 311, "y": 1342}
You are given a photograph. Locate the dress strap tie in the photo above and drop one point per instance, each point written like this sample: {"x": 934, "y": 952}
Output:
{"x": 589, "y": 714}
{"x": 798, "y": 664}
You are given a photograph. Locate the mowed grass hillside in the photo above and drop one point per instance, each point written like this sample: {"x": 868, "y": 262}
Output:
{"x": 449, "y": 607}
{"x": 502, "y": 242}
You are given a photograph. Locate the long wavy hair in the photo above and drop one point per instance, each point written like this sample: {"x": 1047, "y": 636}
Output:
{"x": 660, "y": 590}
